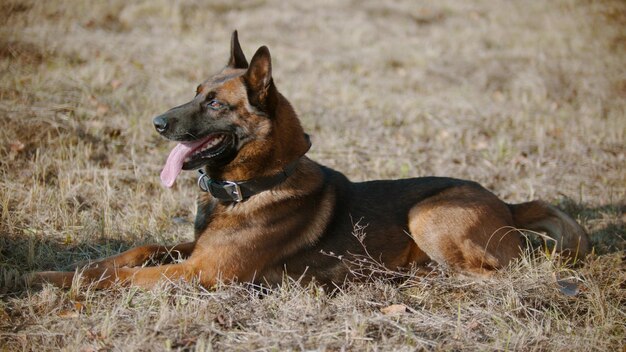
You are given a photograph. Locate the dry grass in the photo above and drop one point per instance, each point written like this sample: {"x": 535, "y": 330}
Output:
{"x": 526, "y": 97}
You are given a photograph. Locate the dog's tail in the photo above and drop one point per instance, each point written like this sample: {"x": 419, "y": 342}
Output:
{"x": 571, "y": 239}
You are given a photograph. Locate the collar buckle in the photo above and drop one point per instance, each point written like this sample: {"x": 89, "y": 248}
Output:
{"x": 233, "y": 190}
{"x": 204, "y": 182}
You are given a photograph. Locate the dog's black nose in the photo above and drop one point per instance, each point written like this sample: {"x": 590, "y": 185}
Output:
{"x": 160, "y": 123}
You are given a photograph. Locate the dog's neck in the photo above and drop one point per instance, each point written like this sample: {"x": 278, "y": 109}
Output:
{"x": 236, "y": 191}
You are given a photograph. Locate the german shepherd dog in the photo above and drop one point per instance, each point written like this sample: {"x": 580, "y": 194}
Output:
{"x": 266, "y": 210}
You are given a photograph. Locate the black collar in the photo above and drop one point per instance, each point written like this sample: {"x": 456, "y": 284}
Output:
{"x": 231, "y": 191}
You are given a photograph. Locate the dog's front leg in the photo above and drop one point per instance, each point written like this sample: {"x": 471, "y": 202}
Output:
{"x": 146, "y": 277}
{"x": 140, "y": 255}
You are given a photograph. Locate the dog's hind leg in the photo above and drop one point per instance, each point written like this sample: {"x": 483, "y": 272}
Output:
{"x": 467, "y": 229}
{"x": 140, "y": 255}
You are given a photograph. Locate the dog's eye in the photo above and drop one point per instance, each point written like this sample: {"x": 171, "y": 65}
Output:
{"x": 215, "y": 105}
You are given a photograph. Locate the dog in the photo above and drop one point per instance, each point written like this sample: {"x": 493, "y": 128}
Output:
{"x": 267, "y": 211}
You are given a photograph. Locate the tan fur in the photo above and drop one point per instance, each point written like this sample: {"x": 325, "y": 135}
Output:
{"x": 465, "y": 228}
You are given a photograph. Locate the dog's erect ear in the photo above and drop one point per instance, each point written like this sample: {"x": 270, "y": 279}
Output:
{"x": 237, "y": 58}
{"x": 259, "y": 75}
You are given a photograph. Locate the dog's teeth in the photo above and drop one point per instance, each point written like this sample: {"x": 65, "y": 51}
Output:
{"x": 210, "y": 144}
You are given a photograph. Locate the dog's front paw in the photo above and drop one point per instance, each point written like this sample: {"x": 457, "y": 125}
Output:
{"x": 11, "y": 281}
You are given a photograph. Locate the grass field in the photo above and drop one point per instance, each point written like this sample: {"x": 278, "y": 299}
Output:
{"x": 526, "y": 97}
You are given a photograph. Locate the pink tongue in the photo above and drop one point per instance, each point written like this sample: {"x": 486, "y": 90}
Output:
{"x": 174, "y": 163}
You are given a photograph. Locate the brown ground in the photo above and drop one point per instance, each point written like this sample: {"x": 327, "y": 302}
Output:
{"x": 526, "y": 97}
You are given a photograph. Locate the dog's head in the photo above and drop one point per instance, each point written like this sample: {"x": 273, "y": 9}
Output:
{"x": 238, "y": 125}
